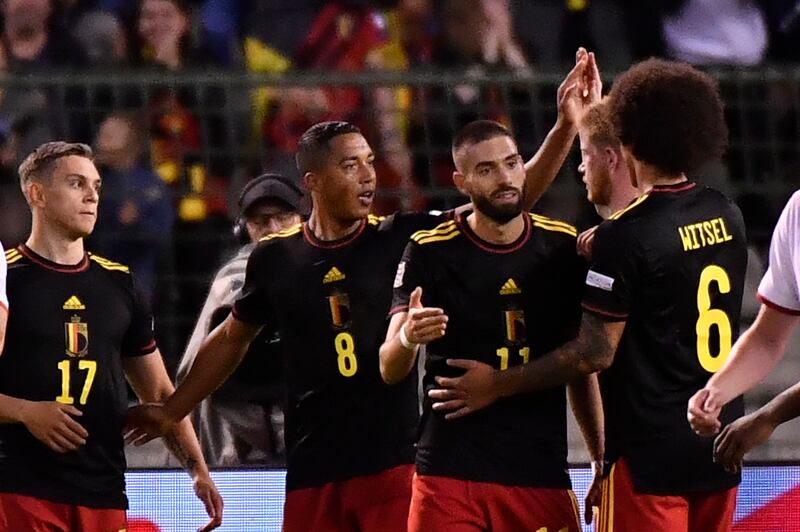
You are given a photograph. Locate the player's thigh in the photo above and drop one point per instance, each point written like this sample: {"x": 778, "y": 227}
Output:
{"x": 319, "y": 509}
{"x": 536, "y": 509}
{"x": 99, "y": 519}
{"x": 380, "y": 502}
{"x": 713, "y": 511}
{"x": 21, "y": 512}
{"x": 623, "y": 509}
{"x": 440, "y": 503}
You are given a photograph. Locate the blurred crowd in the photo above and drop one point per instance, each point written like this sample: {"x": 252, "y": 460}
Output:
{"x": 173, "y": 155}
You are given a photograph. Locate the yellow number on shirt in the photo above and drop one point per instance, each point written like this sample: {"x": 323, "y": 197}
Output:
{"x": 710, "y": 317}
{"x": 524, "y": 352}
{"x": 544, "y": 529}
{"x": 345, "y": 348}
{"x": 91, "y": 368}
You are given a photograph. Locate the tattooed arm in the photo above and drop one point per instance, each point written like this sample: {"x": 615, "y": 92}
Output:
{"x": 481, "y": 385}
{"x": 149, "y": 379}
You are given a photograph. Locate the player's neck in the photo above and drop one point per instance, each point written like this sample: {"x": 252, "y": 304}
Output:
{"x": 648, "y": 176}
{"x": 325, "y": 227}
{"x": 622, "y": 194}
{"x": 493, "y": 232}
{"x": 55, "y": 247}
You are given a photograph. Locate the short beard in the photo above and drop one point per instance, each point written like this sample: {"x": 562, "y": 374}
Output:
{"x": 501, "y": 215}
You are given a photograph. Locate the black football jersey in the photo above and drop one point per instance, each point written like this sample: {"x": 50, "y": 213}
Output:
{"x": 67, "y": 333}
{"x": 672, "y": 264}
{"x": 506, "y": 304}
{"x": 328, "y": 301}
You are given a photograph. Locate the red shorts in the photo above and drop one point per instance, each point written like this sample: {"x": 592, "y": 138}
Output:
{"x": 374, "y": 503}
{"x": 21, "y": 512}
{"x": 623, "y": 509}
{"x": 441, "y": 503}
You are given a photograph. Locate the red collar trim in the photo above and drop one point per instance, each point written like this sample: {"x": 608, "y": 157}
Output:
{"x": 461, "y": 220}
{"x": 31, "y": 255}
{"x": 677, "y": 187}
{"x": 332, "y": 244}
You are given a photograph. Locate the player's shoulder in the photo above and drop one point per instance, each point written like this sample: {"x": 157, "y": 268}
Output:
{"x": 108, "y": 264}
{"x": 633, "y": 210}
{"x": 553, "y": 227}
{"x": 406, "y": 223}
{"x": 285, "y": 235}
{"x": 14, "y": 257}
{"x": 443, "y": 232}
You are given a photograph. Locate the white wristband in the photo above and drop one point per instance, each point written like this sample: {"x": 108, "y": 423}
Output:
{"x": 404, "y": 341}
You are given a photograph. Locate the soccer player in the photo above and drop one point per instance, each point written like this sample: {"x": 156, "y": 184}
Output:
{"x": 326, "y": 285}
{"x": 502, "y": 286}
{"x": 78, "y": 330}
{"x": 234, "y": 424}
{"x": 3, "y": 298}
{"x": 757, "y": 352}
{"x": 661, "y": 309}
{"x": 608, "y": 182}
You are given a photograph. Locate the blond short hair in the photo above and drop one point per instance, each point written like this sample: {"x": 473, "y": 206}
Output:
{"x": 596, "y": 121}
{"x": 39, "y": 163}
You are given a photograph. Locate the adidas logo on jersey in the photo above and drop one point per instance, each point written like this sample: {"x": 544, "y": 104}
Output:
{"x": 509, "y": 287}
{"x": 73, "y": 303}
{"x": 332, "y": 276}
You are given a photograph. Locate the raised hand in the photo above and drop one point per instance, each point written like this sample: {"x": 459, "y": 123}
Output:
{"x": 581, "y": 88}
{"x": 703, "y": 412}
{"x": 423, "y": 324}
{"x": 52, "y": 423}
{"x": 459, "y": 396}
{"x": 146, "y": 422}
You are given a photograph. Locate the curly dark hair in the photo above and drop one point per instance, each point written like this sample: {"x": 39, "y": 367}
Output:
{"x": 669, "y": 115}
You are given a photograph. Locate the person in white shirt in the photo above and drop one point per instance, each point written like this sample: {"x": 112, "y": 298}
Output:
{"x": 757, "y": 352}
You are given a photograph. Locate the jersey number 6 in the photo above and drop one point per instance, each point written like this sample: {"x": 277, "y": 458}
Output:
{"x": 712, "y": 316}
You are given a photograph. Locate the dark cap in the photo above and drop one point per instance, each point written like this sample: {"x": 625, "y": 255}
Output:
{"x": 270, "y": 187}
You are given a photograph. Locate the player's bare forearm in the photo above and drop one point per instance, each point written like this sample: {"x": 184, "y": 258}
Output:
{"x": 11, "y": 409}
{"x": 587, "y": 406}
{"x": 783, "y": 408}
{"x": 753, "y": 355}
{"x": 396, "y": 362}
{"x": 216, "y": 359}
{"x": 542, "y": 169}
{"x": 593, "y": 350}
{"x": 183, "y": 445}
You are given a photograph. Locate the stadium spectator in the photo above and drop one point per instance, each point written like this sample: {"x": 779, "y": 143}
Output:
{"x": 136, "y": 215}
{"x": 62, "y": 395}
{"x": 665, "y": 276}
{"x": 756, "y": 353}
{"x": 242, "y": 421}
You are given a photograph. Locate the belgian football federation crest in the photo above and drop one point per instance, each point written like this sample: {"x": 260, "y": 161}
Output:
{"x": 515, "y": 326}
{"x": 340, "y": 310}
{"x": 77, "y": 337}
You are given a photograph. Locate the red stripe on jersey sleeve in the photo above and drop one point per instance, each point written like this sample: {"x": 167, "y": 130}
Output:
{"x": 146, "y": 350}
{"x": 777, "y": 307}
{"x": 605, "y": 313}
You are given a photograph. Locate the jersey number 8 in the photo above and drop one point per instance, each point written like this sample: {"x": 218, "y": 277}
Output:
{"x": 346, "y": 351}
{"x": 712, "y": 316}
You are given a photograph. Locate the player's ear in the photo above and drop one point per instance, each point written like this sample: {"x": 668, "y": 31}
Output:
{"x": 311, "y": 181}
{"x": 613, "y": 158}
{"x": 34, "y": 191}
{"x": 458, "y": 180}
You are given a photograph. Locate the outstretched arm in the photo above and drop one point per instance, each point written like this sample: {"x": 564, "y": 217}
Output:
{"x": 580, "y": 89}
{"x": 481, "y": 385}
{"x": 151, "y": 383}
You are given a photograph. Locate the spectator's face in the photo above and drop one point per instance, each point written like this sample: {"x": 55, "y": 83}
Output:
{"x": 346, "y": 181}
{"x": 114, "y": 146}
{"x": 466, "y": 27}
{"x": 25, "y": 17}
{"x": 161, "y": 22}
{"x": 595, "y": 170}
{"x": 492, "y": 174}
{"x": 267, "y": 217}
{"x": 68, "y": 200}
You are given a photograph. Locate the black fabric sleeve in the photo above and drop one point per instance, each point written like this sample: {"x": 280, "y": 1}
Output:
{"x": 610, "y": 281}
{"x": 139, "y": 339}
{"x": 410, "y": 274}
{"x": 406, "y": 224}
{"x": 253, "y": 305}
